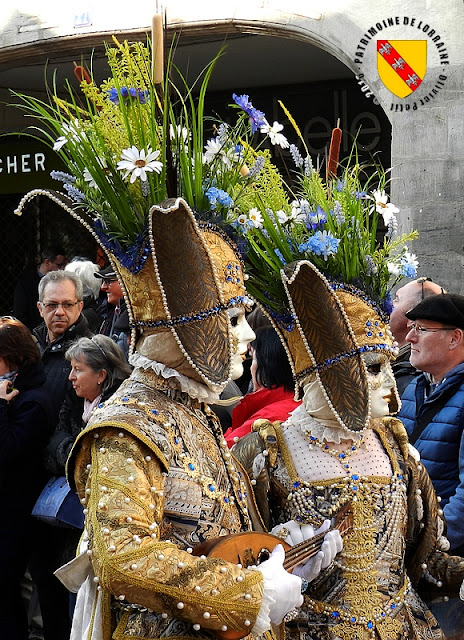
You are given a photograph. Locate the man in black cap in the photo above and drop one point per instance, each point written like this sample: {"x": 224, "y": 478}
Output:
{"x": 406, "y": 298}
{"x": 116, "y": 323}
{"x": 433, "y": 403}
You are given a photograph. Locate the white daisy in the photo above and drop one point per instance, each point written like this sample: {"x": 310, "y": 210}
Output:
{"x": 137, "y": 163}
{"x": 274, "y": 135}
{"x": 385, "y": 208}
{"x": 88, "y": 176}
{"x": 69, "y": 131}
{"x": 214, "y": 147}
{"x": 256, "y": 218}
{"x": 393, "y": 268}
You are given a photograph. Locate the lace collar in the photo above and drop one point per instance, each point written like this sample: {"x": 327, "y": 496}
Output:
{"x": 192, "y": 388}
{"x": 301, "y": 419}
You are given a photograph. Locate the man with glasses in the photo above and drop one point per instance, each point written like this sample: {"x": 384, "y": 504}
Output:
{"x": 433, "y": 414}
{"x": 433, "y": 403}
{"x": 406, "y": 298}
{"x": 116, "y": 323}
{"x": 60, "y": 305}
{"x": 52, "y": 258}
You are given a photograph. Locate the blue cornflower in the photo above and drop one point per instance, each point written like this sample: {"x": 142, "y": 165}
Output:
{"x": 359, "y": 195}
{"x": 278, "y": 253}
{"x": 127, "y": 93}
{"x": 408, "y": 270}
{"x": 218, "y": 197}
{"x": 322, "y": 243}
{"x": 113, "y": 95}
{"x": 257, "y": 118}
{"x": 315, "y": 220}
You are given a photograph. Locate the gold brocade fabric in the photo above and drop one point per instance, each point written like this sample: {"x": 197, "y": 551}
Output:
{"x": 157, "y": 480}
{"x": 367, "y": 593}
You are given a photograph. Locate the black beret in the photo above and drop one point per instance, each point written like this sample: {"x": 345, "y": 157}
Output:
{"x": 106, "y": 274}
{"x": 447, "y": 308}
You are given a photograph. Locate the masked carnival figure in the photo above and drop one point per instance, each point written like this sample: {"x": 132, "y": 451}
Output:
{"x": 341, "y": 458}
{"x": 152, "y": 469}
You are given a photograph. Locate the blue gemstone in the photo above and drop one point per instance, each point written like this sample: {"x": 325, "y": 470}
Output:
{"x": 125, "y": 399}
{"x": 400, "y": 476}
{"x": 335, "y": 614}
{"x": 155, "y": 411}
{"x": 100, "y": 405}
{"x": 370, "y": 625}
{"x": 176, "y": 440}
{"x": 354, "y": 487}
{"x": 355, "y": 476}
{"x": 383, "y": 614}
{"x": 226, "y": 499}
{"x": 191, "y": 466}
{"x": 342, "y": 456}
{"x": 368, "y": 323}
{"x": 393, "y": 606}
{"x": 296, "y": 484}
{"x": 312, "y": 438}
{"x": 369, "y": 333}
{"x": 353, "y": 619}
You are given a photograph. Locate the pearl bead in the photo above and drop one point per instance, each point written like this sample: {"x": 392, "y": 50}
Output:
{"x": 180, "y": 605}
{"x": 206, "y": 615}
{"x": 133, "y": 566}
{"x": 121, "y": 597}
{"x": 196, "y": 627}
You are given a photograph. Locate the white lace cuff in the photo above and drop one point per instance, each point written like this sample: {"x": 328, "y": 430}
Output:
{"x": 263, "y": 621}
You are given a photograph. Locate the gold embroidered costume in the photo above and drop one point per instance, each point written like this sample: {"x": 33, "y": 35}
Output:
{"x": 392, "y": 553}
{"x": 336, "y": 450}
{"x": 155, "y": 484}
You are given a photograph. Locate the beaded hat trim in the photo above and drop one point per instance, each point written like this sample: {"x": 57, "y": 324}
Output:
{"x": 185, "y": 280}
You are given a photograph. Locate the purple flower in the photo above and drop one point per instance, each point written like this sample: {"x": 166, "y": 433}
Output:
{"x": 127, "y": 94}
{"x": 257, "y": 118}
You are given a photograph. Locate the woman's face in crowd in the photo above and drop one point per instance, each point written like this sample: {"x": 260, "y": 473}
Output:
{"x": 86, "y": 383}
{"x": 242, "y": 334}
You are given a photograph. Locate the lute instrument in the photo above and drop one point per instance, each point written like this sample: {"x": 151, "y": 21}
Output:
{"x": 250, "y": 548}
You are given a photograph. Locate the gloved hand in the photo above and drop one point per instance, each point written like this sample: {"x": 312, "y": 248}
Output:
{"x": 332, "y": 545}
{"x": 285, "y": 587}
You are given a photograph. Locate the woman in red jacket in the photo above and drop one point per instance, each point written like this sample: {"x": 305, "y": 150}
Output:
{"x": 273, "y": 386}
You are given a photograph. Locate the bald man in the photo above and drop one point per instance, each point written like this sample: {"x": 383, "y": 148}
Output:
{"x": 406, "y": 298}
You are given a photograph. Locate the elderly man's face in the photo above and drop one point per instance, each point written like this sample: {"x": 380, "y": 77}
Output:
{"x": 60, "y": 307}
{"x": 430, "y": 346}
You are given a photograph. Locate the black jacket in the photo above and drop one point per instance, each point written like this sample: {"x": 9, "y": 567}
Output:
{"x": 70, "y": 424}
{"x": 25, "y": 426}
{"x": 57, "y": 368}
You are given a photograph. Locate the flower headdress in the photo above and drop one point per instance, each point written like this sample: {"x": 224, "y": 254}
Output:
{"x": 130, "y": 144}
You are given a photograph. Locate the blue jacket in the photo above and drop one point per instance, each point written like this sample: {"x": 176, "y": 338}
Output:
{"x": 441, "y": 444}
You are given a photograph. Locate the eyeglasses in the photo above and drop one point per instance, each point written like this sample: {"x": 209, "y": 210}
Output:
{"x": 53, "y": 306}
{"x": 107, "y": 282}
{"x": 422, "y": 281}
{"x": 418, "y": 330}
